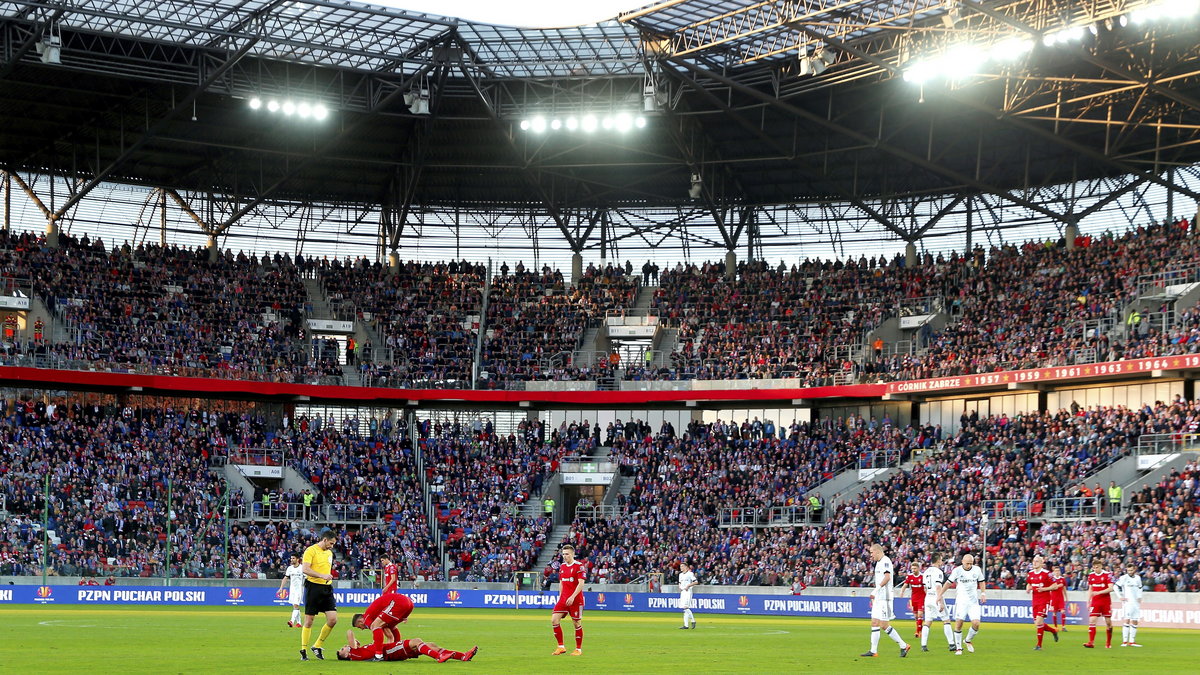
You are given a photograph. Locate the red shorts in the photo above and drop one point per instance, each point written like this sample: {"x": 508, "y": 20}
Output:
{"x": 1058, "y": 603}
{"x": 1041, "y": 607}
{"x": 396, "y": 611}
{"x": 401, "y": 651}
{"x": 1103, "y": 609}
{"x": 917, "y": 604}
{"x": 574, "y": 611}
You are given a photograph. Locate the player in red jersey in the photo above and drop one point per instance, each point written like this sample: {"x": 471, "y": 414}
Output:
{"x": 1041, "y": 584}
{"x": 1058, "y": 600}
{"x": 916, "y": 584}
{"x": 1100, "y": 589}
{"x": 391, "y": 576}
{"x": 382, "y": 617}
{"x": 570, "y": 600}
{"x": 401, "y": 650}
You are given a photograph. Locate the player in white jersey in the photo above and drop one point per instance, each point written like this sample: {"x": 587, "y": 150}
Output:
{"x": 687, "y": 579}
{"x": 294, "y": 572}
{"x": 968, "y": 579}
{"x": 1129, "y": 590}
{"x": 882, "y": 609}
{"x": 933, "y": 578}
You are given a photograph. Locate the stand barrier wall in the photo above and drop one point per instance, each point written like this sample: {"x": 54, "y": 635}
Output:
{"x": 1154, "y": 614}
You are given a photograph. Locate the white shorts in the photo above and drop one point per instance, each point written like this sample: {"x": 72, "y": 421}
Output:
{"x": 964, "y": 611}
{"x": 933, "y": 613}
{"x": 685, "y": 600}
{"x": 882, "y": 610}
{"x": 296, "y": 596}
{"x": 1132, "y": 610}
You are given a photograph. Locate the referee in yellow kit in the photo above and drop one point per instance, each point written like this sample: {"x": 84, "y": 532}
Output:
{"x": 317, "y": 564}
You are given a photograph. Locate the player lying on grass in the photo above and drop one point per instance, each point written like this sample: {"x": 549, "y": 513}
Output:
{"x": 381, "y": 618}
{"x": 401, "y": 650}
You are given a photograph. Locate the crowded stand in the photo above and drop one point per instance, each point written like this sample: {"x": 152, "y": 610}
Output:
{"x": 535, "y": 318}
{"x": 167, "y": 310}
{"x": 1038, "y": 305}
{"x": 425, "y": 315}
{"x": 680, "y": 489}
{"x": 682, "y": 483}
{"x": 480, "y": 479}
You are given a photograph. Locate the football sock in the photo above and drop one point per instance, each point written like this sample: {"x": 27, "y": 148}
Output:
{"x": 429, "y": 651}
{"x": 579, "y": 638}
{"x": 925, "y": 636}
{"x": 305, "y": 636}
{"x": 895, "y": 635}
{"x": 971, "y": 634}
{"x": 1124, "y": 633}
{"x": 687, "y": 617}
{"x": 325, "y": 631}
{"x": 949, "y": 633}
{"x": 1133, "y": 633}
{"x": 874, "y": 640}
{"x": 958, "y": 640}
{"x": 1108, "y": 636}
{"x": 295, "y": 616}
{"x": 377, "y": 639}
{"x": 1049, "y": 629}
{"x": 1091, "y": 634}
{"x": 558, "y": 635}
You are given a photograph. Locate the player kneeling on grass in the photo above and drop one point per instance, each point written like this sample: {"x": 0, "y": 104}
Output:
{"x": 381, "y": 618}
{"x": 400, "y": 650}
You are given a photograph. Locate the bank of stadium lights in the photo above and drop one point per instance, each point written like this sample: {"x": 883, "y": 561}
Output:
{"x": 621, "y": 122}
{"x": 289, "y": 108}
{"x": 967, "y": 59}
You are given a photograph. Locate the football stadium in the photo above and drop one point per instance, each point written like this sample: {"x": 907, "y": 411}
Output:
{"x": 723, "y": 336}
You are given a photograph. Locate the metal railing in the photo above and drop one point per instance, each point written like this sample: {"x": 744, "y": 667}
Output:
{"x": 1002, "y": 509}
{"x": 256, "y": 456}
{"x": 281, "y": 511}
{"x": 1155, "y": 285}
{"x": 600, "y": 512}
{"x": 584, "y": 465}
{"x": 1076, "y": 508}
{"x": 879, "y": 459}
{"x": 1167, "y": 444}
{"x": 770, "y": 516}
{"x": 926, "y": 304}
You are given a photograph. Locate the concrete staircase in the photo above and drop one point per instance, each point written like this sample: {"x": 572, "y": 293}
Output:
{"x": 645, "y": 296}
{"x": 351, "y": 377}
{"x": 316, "y": 296}
{"x": 550, "y": 550}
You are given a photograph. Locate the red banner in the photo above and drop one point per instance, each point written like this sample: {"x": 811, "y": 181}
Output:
{"x": 191, "y": 386}
{"x": 1050, "y": 374}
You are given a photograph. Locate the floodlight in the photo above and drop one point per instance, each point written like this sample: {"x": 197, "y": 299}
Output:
{"x": 556, "y": 124}
{"x": 640, "y": 122}
{"x": 589, "y": 123}
{"x": 303, "y": 109}
{"x": 539, "y": 124}
{"x": 607, "y": 123}
{"x": 320, "y": 111}
{"x": 524, "y": 125}
{"x": 255, "y": 103}
{"x": 623, "y": 122}
{"x": 572, "y": 124}
{"x": 273, "y": 105}
{"x": 288, "y": 107}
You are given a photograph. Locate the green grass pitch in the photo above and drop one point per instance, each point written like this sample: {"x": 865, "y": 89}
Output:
{"x": 39, "y": 640}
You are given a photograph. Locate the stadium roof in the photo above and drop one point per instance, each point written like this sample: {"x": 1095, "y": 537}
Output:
{"x": 754, "y": 103}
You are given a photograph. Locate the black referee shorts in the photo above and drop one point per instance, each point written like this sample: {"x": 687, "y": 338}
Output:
{"x": 318, "y": 598}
